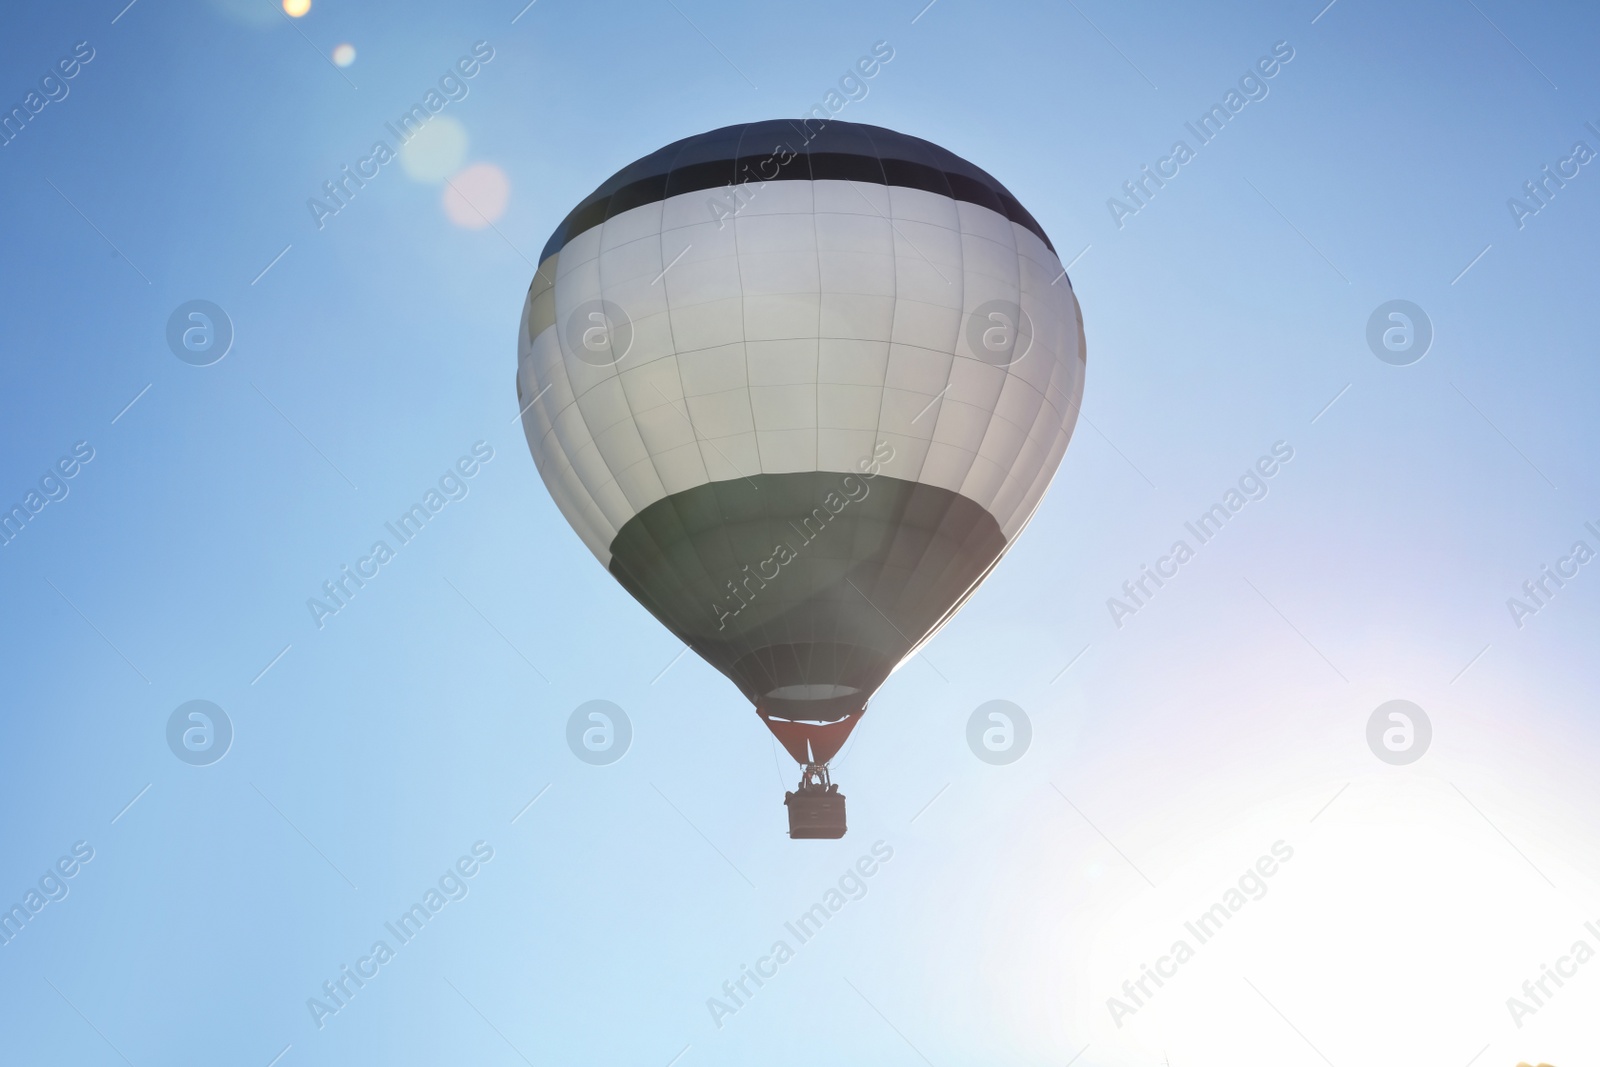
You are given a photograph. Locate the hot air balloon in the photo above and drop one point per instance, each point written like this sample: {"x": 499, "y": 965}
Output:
{"x": 798, "y": 385}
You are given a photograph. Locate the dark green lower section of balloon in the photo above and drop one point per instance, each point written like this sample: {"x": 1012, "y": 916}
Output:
{"x": 806, "y": 589}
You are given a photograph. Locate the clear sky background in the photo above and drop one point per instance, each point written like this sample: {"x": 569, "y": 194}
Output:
{"x": 1227, "y": 715}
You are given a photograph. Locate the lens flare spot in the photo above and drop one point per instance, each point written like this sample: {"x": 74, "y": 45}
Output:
{"x": 435, "y": 151}
{"x": 344, "y": 54}
{"x": 477, "y": 196}
{"x": 296, "y": 8}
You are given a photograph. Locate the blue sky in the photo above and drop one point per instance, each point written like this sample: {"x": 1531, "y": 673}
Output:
{"x": 371, "y": 754}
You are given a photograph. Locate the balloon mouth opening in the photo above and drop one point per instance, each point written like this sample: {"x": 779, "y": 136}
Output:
{"x": 812, "y": 703}
{"x": 812, "y": 692}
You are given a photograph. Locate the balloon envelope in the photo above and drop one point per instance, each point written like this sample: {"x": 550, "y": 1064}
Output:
{"x": 798, "y": 386}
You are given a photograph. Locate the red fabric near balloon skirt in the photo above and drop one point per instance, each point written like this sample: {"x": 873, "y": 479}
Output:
{"x": 812, "y": 742}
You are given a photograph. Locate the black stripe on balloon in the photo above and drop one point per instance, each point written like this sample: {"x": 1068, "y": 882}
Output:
{"x": 790, "y": 150}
